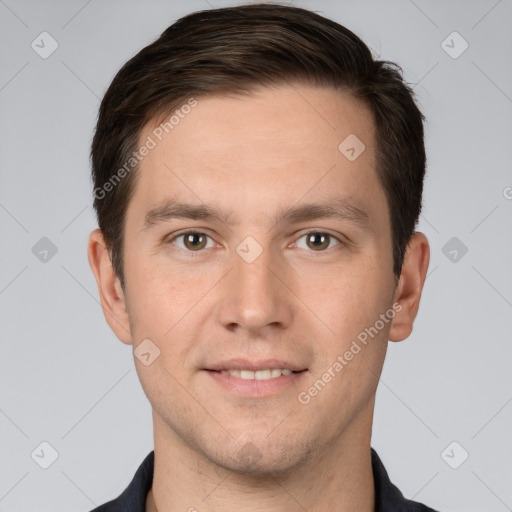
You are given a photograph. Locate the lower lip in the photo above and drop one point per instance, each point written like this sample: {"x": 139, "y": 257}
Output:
{"x": 256, "y": 388}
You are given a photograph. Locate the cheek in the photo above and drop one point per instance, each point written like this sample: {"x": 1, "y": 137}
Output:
{"x": 160, "y": 295}
{"x": 165, "y": 307}
{"x": 353, "y": 351}
{"x": 348, "y": 299}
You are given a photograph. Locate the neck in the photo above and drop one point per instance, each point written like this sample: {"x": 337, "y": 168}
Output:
{"x": 337, "y": 476}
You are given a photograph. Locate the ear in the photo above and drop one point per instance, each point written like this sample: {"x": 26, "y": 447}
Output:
{"x": 410, "y": 286}
{"x": 111, "y": 293}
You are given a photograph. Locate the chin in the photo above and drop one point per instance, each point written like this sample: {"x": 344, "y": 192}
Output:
{"x": 262, "y": 458}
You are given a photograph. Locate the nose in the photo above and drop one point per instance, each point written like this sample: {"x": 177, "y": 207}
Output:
{"x": 255, "y": 295}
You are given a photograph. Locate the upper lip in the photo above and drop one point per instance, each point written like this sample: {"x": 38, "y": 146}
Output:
{"x": 246, "y": 364}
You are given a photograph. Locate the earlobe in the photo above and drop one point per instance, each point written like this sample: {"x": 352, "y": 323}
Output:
{"x": 112, "y": 296}
{"x": 410, "y": 286}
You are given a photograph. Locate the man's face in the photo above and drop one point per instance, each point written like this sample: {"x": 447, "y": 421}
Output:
{"x": 253, "y": 286}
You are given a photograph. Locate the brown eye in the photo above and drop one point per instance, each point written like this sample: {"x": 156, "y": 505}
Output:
{"x": 193, "y": 241}
{"x": 318, "y": 241}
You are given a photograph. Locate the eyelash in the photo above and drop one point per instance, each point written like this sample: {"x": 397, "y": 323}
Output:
{"x": 192, "y": 232}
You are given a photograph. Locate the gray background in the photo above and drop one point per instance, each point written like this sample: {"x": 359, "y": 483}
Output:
{"x": 65, "y": 378}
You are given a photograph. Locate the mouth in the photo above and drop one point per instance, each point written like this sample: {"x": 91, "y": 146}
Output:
{"x": 265, "y": 374}
{"x": 257, "y": 379}
{"x": 261, "y": 369}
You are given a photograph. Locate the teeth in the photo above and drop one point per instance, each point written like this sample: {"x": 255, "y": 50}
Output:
{"x": 246, "y": 374}
{"x": 258, "y": 375}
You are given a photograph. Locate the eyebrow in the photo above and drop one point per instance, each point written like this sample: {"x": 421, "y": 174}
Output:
{"x": 341, "y": 208}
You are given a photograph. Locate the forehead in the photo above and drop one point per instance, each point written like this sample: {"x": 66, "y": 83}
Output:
{"x": 278, "y": 118}
{"x": 275, "y": 146}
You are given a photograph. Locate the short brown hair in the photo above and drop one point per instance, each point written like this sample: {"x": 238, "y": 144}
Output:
{"x": 231, "y": 51}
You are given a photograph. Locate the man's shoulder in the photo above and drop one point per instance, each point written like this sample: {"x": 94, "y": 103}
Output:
{"x": 133, "y": 498}
{"x": 110, "y": 506}
{"x": 416, "y": 506}
{"x": 388, "y": 497}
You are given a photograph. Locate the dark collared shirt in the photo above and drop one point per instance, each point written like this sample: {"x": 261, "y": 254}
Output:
{"x": 388, "y": 497}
